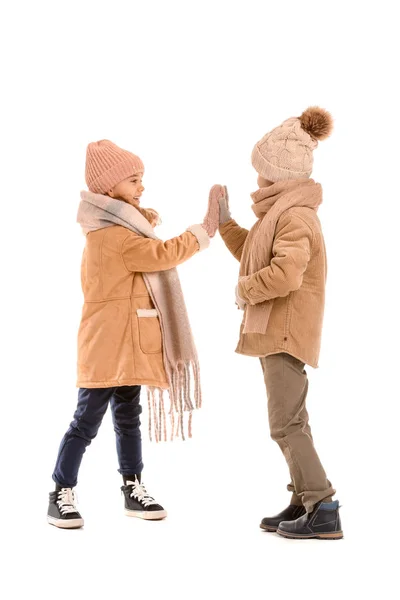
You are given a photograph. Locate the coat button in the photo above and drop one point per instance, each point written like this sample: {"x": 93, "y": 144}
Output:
{"x": 285, "y": 339}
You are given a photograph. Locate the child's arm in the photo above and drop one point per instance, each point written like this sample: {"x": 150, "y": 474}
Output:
{"x": 219, "y": 216}
{"x": 147, "y": 255}
{"x": 234, "y": 237}
{"x": 291, "y": 255}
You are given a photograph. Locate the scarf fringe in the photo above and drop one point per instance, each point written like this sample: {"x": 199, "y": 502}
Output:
{"x": 181, "y": 404}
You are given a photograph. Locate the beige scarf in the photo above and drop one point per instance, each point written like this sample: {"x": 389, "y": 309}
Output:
{"x": 180, "y": 357}
{"x": 269, "y": 205}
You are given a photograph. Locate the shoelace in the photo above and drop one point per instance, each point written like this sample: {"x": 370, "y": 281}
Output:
{"x": 66, "y": 501}
{"x": 140, "y": 493}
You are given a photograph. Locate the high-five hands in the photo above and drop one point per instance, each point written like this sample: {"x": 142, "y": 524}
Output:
{"x": 218, "y": 209}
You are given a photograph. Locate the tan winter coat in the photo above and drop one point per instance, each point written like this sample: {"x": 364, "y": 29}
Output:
{"x": 295, "y": 280}
{"x": 119, "y": 339}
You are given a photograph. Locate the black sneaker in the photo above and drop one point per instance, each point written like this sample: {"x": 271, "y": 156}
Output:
{"x": 62, "y": 510}
{"x": 322, "y": 523}
{"x": 138, "y": 503}
{"x": 290, "y": 513}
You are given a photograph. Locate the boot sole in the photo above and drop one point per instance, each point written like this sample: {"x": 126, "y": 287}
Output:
{"x": 268, "y": 528}
{"x": 337, "y": 535}
{"x": 156, "y": 515}
{"x": 69, "y": 524}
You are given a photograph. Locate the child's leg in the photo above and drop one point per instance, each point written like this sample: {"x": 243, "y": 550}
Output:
{"x": 287, "y": 385}
{"x": 92, "y": 405}
{"x": 296, "y": 499}
{"x": 126, "y": 411}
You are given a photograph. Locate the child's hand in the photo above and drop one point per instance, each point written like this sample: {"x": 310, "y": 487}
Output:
{"x": 240, "y": 303}
{"x": 155, "y": 218}
{"x": 212, "y": 218}
{"x": 224, "y": 212}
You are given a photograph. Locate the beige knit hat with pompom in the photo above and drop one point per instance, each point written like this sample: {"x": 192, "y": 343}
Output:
{"x": 287, "y": 151}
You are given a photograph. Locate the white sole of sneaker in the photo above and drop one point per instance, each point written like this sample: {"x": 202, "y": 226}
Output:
{"x": 69, "y": 524}
{"x": 155, "y": 515}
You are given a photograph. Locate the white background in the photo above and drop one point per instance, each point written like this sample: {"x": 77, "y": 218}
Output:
{"x": 190, "y": 87}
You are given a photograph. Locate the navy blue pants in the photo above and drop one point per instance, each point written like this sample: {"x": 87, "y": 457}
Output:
{"x": 92, "y": 406}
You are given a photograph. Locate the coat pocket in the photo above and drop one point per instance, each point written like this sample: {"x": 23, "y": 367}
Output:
{"x": 150, "y": 338}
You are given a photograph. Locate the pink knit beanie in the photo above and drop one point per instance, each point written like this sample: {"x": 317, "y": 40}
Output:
{"x": 107, "y": 165}
{"x": 287, "y": 151}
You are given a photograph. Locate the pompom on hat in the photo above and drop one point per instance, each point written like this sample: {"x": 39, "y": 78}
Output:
{"x": 107, "y": 165}
{"x": 286, "y": 152}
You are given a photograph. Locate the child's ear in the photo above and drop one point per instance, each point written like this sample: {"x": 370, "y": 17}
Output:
{"x": 111, "y": 193}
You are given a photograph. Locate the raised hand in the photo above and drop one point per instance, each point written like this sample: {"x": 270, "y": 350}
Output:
{"x": 212, "y": 219}
{"x": 224, "y": 211}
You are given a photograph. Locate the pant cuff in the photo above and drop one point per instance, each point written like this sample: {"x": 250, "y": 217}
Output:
{"x": 325, "y": 496}
{"x": 296, "y": 500}
{"x": 63, "y": 484}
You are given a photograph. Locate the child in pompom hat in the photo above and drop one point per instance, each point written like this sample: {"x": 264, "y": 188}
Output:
{"x": 281, "y": 289}
{"x": 134, "y": 329}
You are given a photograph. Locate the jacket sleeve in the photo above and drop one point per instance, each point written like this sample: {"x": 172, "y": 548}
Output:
{"x": 291, "y": 255}
{"x": 146, "y": 255}
{"x": 234, "y": 237}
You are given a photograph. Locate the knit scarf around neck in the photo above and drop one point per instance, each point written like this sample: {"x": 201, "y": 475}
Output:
{"x": 180, "y": 357}
{"x": 269, "y": 205}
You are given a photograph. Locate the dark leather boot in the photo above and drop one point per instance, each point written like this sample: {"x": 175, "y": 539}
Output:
{"x": 322, "y": 523}
{"x": 290, "y": 513}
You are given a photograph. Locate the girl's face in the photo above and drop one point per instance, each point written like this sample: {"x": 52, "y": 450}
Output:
{"x": 261, "y": 182}
{"x": 129, "y": 190}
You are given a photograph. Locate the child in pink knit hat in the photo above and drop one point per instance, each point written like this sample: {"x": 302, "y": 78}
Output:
{"x": 134, "y": 330}
{"x": 281, "y": 289}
